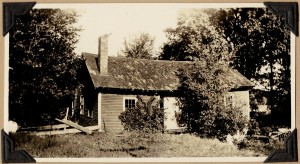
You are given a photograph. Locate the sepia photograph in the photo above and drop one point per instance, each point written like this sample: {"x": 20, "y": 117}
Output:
{"x": 138, "y": 80}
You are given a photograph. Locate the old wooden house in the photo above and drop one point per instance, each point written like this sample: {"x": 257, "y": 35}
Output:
{"x": 111, "y": 85}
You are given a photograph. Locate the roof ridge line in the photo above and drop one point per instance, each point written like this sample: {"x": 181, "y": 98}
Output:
{"x": 123, "y": 57}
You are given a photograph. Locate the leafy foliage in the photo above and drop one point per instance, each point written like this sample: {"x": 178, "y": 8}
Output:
{"x": 43, "y": 65}
{"x": 266, "y": 131}
{"x": 242, "y": 38}
{"x": 195, "y": 38}
{"x": 140, "y": 46}
{"x": 254, "y": 31}
{"x": 253, "y": 128}
{"x": 144, "y": 117}
{"x": 253, "y": 103}
{"x": 262, "y": 52}
{"x": 202, "y": 107}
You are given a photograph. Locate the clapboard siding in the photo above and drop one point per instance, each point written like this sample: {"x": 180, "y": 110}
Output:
{"x": 111, "y": 107}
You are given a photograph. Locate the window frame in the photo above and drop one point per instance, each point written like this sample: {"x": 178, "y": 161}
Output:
{"x": 128, "y": 98}
{"x": 232, "y": 103}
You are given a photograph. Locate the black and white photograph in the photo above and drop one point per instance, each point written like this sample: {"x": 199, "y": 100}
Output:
{"x": 150, "y": 81}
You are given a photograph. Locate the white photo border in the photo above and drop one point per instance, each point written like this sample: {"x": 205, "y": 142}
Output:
{"x": 180, "y": 159}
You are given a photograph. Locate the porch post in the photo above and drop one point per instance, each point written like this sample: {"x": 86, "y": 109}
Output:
{"x": 161, "y": 105}
{"x": 99, "y": 111}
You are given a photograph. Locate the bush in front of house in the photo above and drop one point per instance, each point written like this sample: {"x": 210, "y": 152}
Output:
{"x": 203, "y": 111}
{"x": 205, "y": 106}
{"x": 230, "y": 120}
{"x": 146, "y": 116}
{"x": 226, "y": 121}
{"x": 213, "y": 123}
{"x": 253, "y": 128}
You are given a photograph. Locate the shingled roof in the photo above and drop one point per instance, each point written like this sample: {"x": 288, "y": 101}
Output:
{"x": 147, "y": 75}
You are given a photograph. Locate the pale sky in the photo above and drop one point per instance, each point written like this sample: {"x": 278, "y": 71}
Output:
{"x": 123, "y": 21}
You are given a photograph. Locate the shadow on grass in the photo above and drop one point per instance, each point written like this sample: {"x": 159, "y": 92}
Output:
{"x": 124, "y": 149}
{"x": 127, "y": 150}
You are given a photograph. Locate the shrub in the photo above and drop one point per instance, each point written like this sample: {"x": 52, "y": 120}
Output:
{"x": 227, "y": 121}
{"x": 266, "y": 131}
{"x": 230, "y": 120}
{"x": 144, "y": 117}
{"x": 213, "y": 123}
{"x": 206, "y": 107}
{"x": 253, "y": 128}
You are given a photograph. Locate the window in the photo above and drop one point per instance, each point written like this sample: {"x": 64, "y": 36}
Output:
{"x": 229, "y": 100}
{"x": 81, "y": 101}
{"x": 129, "y": 103}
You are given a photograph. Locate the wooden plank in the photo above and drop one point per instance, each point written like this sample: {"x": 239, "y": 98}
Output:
{"x": 47, "y": 127}
{"x": 67, "y": 131}
{"x": 79, "y": 127}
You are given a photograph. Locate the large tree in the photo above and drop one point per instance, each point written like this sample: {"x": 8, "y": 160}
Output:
{"x": 257, "y": 40}
{"x": 193, "y": 29}
{"x": 43, "y": 65}
{"x": 262, "y": 51}
{"x": 140, "y": 46}
{"x": 202, "y": 107}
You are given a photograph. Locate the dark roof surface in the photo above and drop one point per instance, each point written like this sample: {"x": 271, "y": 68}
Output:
{"x": 142, "y": 74}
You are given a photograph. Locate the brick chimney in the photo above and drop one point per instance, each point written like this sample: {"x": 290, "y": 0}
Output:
{"x": 103, "y": 54}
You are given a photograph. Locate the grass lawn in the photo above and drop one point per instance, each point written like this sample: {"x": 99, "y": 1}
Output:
{"x": 130, "y": 144}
